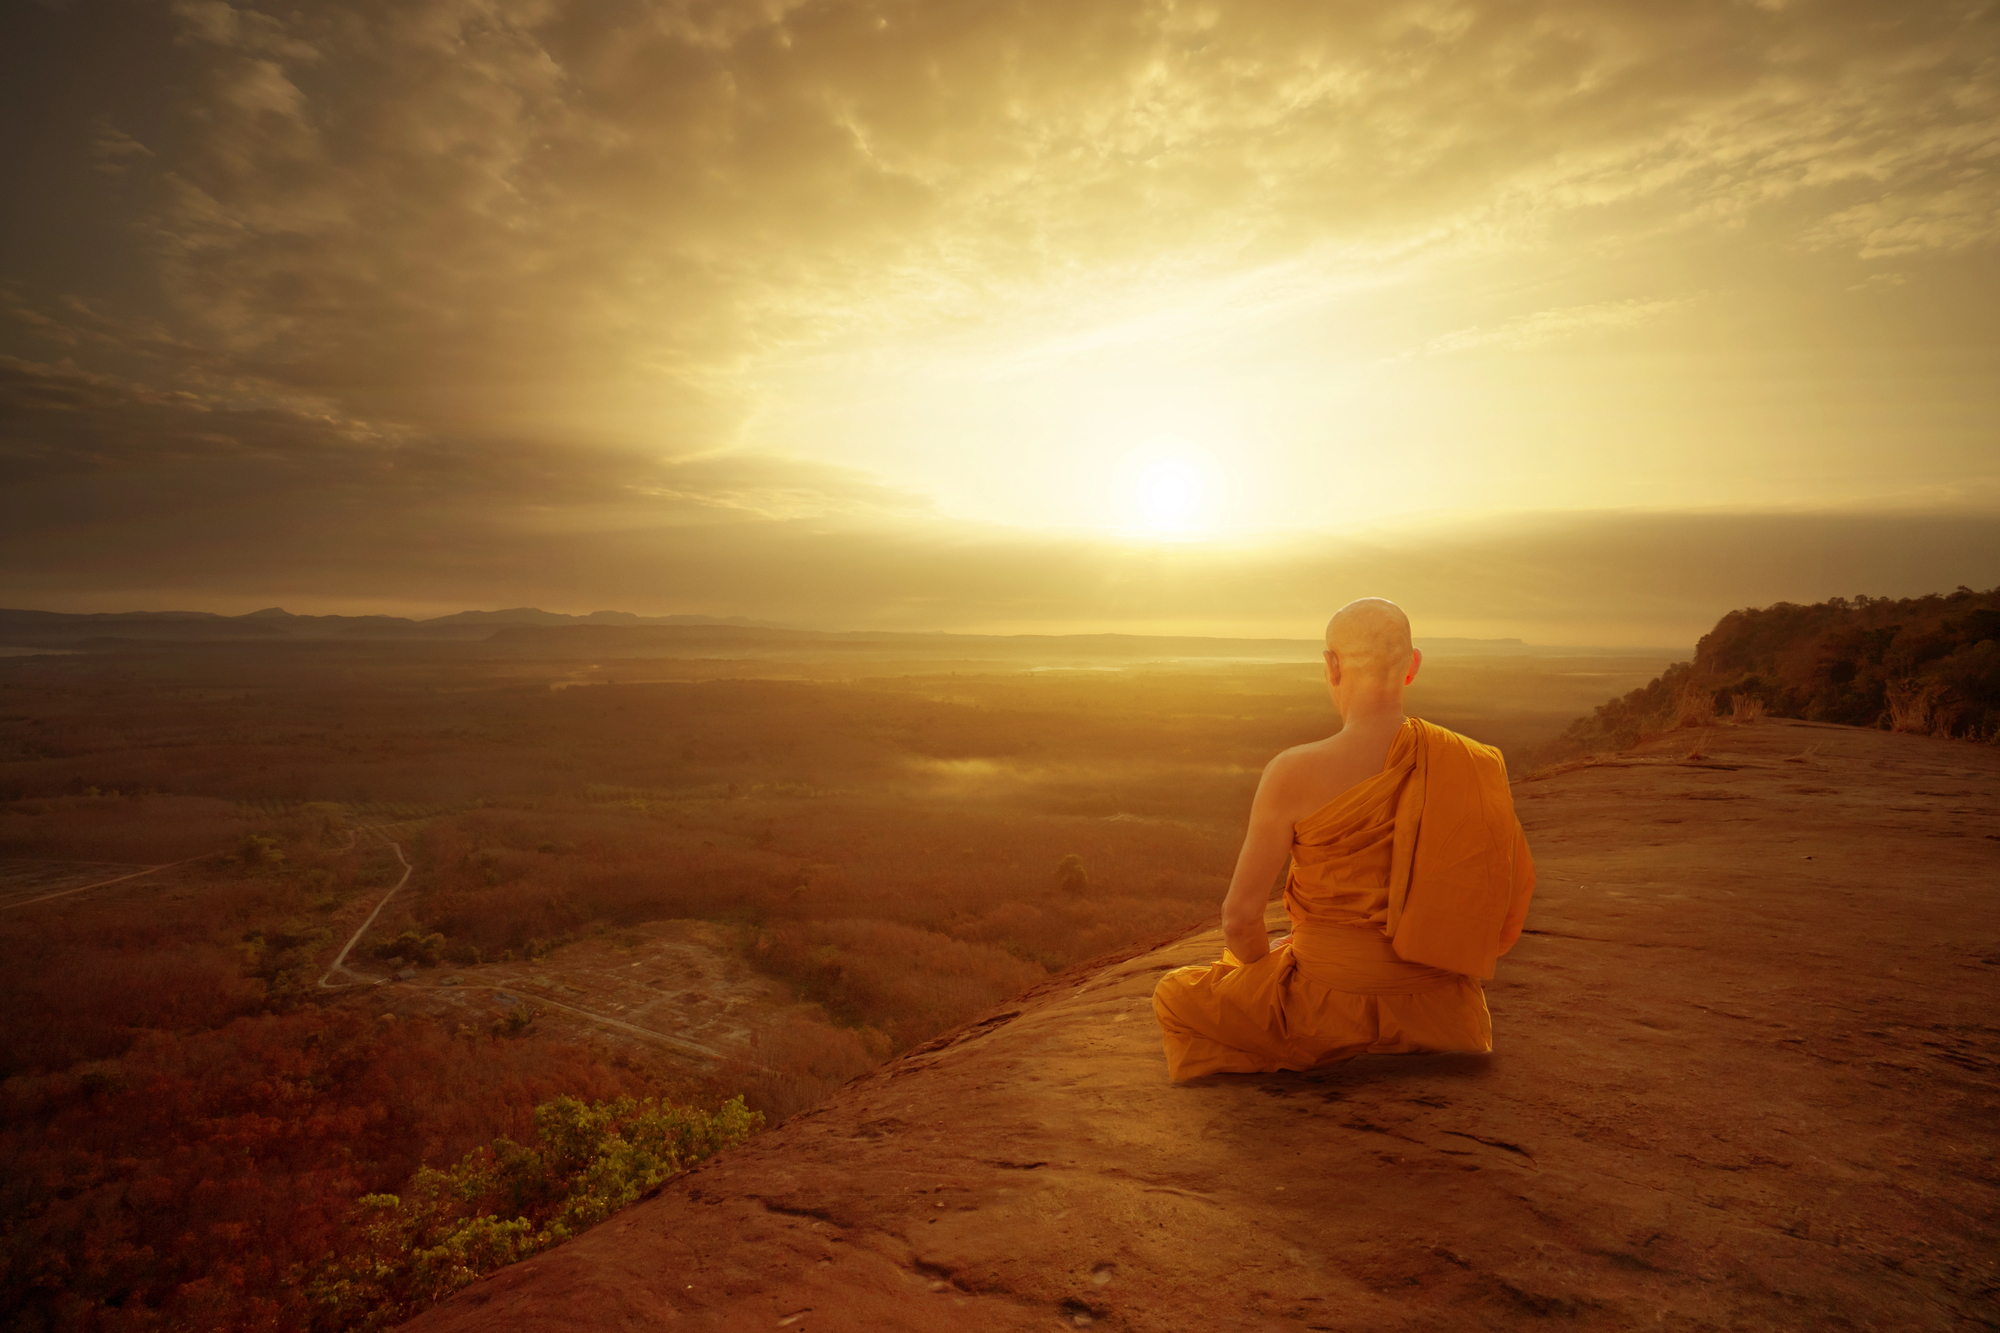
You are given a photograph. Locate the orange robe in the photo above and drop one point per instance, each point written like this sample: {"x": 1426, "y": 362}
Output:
{"x": 1402, "y": 892}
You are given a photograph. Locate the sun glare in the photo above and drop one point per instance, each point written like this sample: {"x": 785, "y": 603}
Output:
{"x": 1169, "y": 495}
{"x": 1169, "y": 491}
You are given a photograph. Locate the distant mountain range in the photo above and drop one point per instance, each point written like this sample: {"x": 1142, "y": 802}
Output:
{"x": 529, "y": 632}
{"x": 58, "y": 629}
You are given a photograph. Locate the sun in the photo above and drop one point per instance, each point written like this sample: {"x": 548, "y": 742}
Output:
{"x": 1168, "y": 492}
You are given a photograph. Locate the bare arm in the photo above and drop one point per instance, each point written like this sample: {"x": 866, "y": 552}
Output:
{"x": 1267, "y": 846}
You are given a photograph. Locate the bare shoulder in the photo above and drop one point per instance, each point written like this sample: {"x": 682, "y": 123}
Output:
{"x": 1304, "y": 778}
{"x": 1293, "y": 773}
{"x": 1299, "y": 759}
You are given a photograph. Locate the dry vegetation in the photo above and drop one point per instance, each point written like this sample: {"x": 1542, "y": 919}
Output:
{"x": 801, "y": 874}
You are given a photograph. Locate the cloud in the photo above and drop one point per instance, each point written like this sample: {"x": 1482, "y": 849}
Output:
{"x": 59, "y": 421}
{"x": 116, "y": 494}
{"x": 770, "y": 487}
{"x": 477, "y": 290}
{"x": 114, "y": 151}
{"x": 599, "y": 215}
{"x": 1951, "y": 218}
{"x": 1546, "y": 326}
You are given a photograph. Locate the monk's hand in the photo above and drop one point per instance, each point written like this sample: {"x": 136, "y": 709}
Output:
{"x": 1279, "y": 941}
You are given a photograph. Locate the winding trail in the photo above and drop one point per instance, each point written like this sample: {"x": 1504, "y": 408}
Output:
{"x": 356, "y": 980}
{"x": 339, "y": 963}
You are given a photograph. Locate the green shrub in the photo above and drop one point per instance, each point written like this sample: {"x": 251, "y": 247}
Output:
{"x": 507, "y": 1201}
{"x": 423, "y": 950}
{"x": 514, "y": 1022}
{"x": 259, "y": 850}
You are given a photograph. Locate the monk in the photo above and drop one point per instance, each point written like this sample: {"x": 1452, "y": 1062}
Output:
{"x": 1409, "y": 876}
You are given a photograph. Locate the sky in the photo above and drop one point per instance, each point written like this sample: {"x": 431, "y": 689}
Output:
{"x": 1578, "y": 322}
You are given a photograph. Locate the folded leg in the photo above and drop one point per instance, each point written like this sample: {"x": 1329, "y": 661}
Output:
{"x": 1223, "y": 1019}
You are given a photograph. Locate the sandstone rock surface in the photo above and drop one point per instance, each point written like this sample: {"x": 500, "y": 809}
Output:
{"x": 1744, "y": 1078}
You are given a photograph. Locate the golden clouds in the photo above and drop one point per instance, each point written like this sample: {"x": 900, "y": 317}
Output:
{"x": 626, "y": 266}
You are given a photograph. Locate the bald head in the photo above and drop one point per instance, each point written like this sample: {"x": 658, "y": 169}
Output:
{"x": 1371, "y": 637}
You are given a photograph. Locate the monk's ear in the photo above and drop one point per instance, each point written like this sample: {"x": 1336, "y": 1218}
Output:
{"x": 1416, "y": 665}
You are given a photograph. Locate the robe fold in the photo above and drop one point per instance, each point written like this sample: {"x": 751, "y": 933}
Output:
{"x": 1403, "y": 890}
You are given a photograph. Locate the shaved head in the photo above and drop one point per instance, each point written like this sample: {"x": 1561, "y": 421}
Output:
{"x": 1371, "y": 636}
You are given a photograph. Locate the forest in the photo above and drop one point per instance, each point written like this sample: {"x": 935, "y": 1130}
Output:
{"x": 635, "y": 883}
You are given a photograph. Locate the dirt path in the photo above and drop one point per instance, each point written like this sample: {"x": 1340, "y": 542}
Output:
{"x": 339, "y": 963}
{"x": 679, "y": 1045}
{"x": 1746, "y": 1077}
{"x": 139, "y": 872}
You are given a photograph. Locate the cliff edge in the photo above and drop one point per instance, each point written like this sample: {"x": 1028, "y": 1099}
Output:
{"x": 1744, "y": 1077}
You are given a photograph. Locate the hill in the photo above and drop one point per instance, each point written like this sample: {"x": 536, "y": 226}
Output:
{"x": 1745, "y": 1077}
{"x": 1921, "y": 664}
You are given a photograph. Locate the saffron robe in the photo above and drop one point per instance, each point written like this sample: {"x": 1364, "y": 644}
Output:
{"x": 1402, "y": 892}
